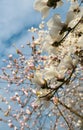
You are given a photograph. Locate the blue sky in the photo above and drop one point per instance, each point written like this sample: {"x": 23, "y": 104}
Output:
{"x": 16, "y": 17}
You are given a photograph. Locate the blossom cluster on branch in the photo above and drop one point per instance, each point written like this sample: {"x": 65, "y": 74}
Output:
{"x": 49, "y": 83}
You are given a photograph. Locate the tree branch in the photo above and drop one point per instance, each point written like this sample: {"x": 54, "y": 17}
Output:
{"x": 56, "y": 44}
{"x": 64, "y": 118}
{"x": 70, "y": 109}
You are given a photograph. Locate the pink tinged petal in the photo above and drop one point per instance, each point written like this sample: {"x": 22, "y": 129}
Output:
{"x": 15, "y": 128}
{"x": 34, "y": 104}
{"x": 13, "y": 98}
{"x": 10, "y": 125}
{"x": 10, "y": 56}
{"x": 28, "y": 111}
{"x": 22, "y": 128}
{"x": 25, "y": 118}
{"x": 26, "y": 93}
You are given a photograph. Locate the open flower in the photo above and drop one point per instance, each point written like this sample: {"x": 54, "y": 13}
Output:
{"x": 76, "y": 9}
{"x": 80, "y": 42}
{"x": 39, "y": 80}
{"x": 50, "y": 73}
{"x": 58, "y": 28}
{"x": 44, "y": 96}
{"x": 69, "y": 17}
{"x": 42, "y": 7}
{"x": 55, "y": 25}
{"x": 68, "y": 62}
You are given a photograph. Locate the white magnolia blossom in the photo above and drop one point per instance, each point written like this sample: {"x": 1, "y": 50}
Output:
{"x": 47, "y": 46}
{"x": 57, "y": 28}
{"x": 50, "y": 72}
{"x": 42, "y": 7}
{"x": 76, "y": 9}
{"x": 38, "y": 79}
{"x": 59, "y": 3}
{"x": 55, "y": 25}
{"x": 44, "y": 100}
{"x": 69, "y": 17}
{"x": 54, "y": 72}
{"x": 68, "y": 62}
{"x": 80, "y": 42}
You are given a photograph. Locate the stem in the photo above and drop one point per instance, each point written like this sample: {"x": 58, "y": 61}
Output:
{"x": 54, "y": 90}
{"x": 70, "y": 109}
{"x": 64, "y": 118}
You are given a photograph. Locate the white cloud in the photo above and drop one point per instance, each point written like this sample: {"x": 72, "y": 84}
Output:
{"x": 16, "y": 16}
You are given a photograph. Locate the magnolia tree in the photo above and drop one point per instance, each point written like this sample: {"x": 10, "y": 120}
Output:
{"x": 44, "y": 90}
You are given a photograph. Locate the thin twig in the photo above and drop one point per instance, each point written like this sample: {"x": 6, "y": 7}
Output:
{"x": 64, "y": 117}
{"x": 54, "y": 90}
{"x": 70, "y": 109}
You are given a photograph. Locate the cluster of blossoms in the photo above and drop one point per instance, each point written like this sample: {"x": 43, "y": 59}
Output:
{"x": 48, "y": 84}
